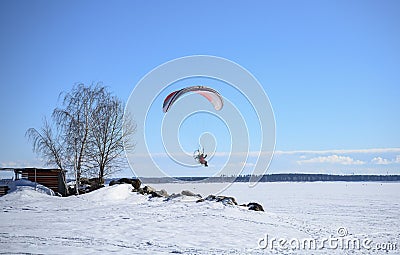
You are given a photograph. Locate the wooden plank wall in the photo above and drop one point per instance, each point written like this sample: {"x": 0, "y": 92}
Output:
{"x": 47, "y": 178}
{"x": 3, "y": 190}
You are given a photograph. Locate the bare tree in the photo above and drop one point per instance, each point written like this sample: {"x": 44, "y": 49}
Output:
{"x": 75, "y": 120}
{"x": 47, "y": 144}
{"x": 108, "y": 135}
{"x": 91, "y": 124}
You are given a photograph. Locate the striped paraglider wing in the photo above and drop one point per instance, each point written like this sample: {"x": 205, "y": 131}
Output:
{"x": 210, "y": 94}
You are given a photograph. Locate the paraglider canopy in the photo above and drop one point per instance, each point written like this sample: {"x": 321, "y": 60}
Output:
{"x": 210, "y": 94}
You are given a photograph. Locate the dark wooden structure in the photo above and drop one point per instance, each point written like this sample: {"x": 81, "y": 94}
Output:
{"x": 4, "y": 190}
{"x": 5, "y": 181}
{"x": 51, "y": 178}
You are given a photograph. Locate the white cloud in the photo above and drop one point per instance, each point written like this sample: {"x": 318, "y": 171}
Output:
{"x": 22, "y": 164}
{"x": 332, "y": 159}
{"x": 360, "y": 151}
{"x": 380, "y": 161}
{"x": 384, "y": 161}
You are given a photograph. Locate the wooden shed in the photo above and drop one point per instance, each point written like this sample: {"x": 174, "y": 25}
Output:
{"x": 3, "y": 190}
{"x": 51, "y": 178}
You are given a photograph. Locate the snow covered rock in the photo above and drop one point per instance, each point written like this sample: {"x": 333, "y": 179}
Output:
{"x": 86, "y": 185}
{"x": 223, "y": 199}
{"x": 255, "y": 207}
{"x": 159, "y": 193}
{"x": 190, "y": 194}
{"x": 184, "y": 196}
{"x": 136, "y": 183}
{"x": 147, "y": 190}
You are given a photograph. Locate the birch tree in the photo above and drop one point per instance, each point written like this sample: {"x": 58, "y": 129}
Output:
{"x": 90, "y": 122}
{"x": 47, "y": 144}
{"x": 107, "y": 139}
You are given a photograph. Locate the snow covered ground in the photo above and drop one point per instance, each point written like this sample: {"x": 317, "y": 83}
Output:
{"x": 333, "y": 216}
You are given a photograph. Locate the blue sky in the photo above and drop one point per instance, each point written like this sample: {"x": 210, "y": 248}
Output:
{"x": 330, "y": 68}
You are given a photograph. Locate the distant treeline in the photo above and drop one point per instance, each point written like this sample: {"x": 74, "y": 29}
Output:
{"x": 281, "y": 178}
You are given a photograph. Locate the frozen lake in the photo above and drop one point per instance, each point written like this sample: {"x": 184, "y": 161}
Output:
{"x": 366, "y": 206}
{"x": 358, "y": 217}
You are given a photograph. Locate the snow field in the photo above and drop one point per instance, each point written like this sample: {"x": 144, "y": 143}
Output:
{"x": 116, "y": 220}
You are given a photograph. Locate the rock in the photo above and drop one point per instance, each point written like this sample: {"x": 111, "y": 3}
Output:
{"x": 185, "y": 197}
{"x": 84, "y": 181}
{"x": 113, "y": 182}
{"x": 148, "y": 190}
{"x": 134, "y": 182}
{"x": 210, "y": 198}
{"x": 94, "y": 187}
{"x": 173, "y": 196}
{"x": 140, "y": 191}
{"x": 189, "y": 193}
{"x": 71, "y": 190}
{"x": 223, "y": 199}
{"x": 164, "y": 193}
{"x": 255, "y": 207}
{"x": 159, "y": 193}
{"x": 96, "y": 181}
{"x": 155, "y": 194}
{"x": 88, "y": 185}
{"x": 227, "y": 200}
